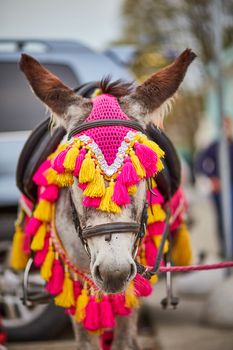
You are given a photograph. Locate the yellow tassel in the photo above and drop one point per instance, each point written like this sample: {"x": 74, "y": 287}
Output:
{"x": 64, "y": 180}
{"x": 87, "y": 170}
{"x": 97, "y": 92}
{"x": 132, "y": 190}
{"x": 95, "y": 188}
{"x": 70, "y": 158}
{"x": 18, "y": 258}
{"x": 153, "y": 182}
{"x": 131, "y": 299}
{"x": 97, "y": 332}
{"x": 46, "y": 268}
{"x": 160, "y": 165}
{"x": 43, "y": 210}
{"x": 157, "y": 215}
{"x": 181, "y": 250}
{"x": 106, "y": 203}
{"x": 82, "y": 302}
{"x": 157, "y": 240}
{"x": 50, "y": 175}
{"x": 66, "y": 297}
{"x": 154, "y": 279}
{"x": 152, "y": 145}
{"x": 60, "y": 148}
{"x": 137, "y": 165}
{"x": 39, "y": 238}
{"x": 142, "y": 256}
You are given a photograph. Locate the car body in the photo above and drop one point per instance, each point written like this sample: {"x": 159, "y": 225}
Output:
{"x": 73, "y": 62}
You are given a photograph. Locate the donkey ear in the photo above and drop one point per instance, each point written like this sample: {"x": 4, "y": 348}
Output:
{"x": 57, "y": 96}
{"x": 162, "y": 85}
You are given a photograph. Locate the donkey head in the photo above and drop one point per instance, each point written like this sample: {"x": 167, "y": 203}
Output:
{"x": 112, "y": 264}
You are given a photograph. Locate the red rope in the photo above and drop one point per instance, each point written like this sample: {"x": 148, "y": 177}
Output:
{"x": 215, "y": 266}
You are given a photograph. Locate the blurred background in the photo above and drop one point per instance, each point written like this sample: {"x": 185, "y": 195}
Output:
{"x": 82, "y": 41}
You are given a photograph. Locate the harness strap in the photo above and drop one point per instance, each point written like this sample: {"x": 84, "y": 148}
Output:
{"x": 144, "y": 271}
{"x": 106, "y": 122}
{"x": 117, "y": 227}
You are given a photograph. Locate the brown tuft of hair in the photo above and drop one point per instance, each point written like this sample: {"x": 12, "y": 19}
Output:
{"x": 117, "y": 88}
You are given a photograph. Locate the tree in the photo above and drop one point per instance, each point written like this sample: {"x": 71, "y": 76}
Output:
{"x": 160, "y": 29}
{"x": 175, "y": 24}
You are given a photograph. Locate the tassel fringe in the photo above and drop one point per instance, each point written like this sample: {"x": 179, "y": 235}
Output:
{"x": 19, "y": 258}
{"x": 66, "y": 297}
{"x": 106, "y": 203}
{"x": 87, "y": 170}
{"x": 82, "y": 302}
{"x": 43, "y": 211}
{"x": 46, "y": 268}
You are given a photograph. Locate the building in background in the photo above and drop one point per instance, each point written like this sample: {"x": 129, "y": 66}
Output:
{"x": 211, "y": 108}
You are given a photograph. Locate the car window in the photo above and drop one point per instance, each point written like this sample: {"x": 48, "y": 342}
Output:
{"x": 19, "y": 109}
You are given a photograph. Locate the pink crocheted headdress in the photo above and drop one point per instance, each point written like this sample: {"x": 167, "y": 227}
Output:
{"x": 108, "y": 138}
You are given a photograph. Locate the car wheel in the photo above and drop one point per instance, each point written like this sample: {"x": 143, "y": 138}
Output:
{"x": 21, "y": 322}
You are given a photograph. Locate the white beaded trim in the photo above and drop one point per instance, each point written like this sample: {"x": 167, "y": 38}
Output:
{"x": 109, "y": 170}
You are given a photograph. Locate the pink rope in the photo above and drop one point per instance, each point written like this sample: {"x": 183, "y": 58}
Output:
{"x": 215, "y": 266}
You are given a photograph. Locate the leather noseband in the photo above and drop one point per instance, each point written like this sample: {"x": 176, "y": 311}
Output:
{"x": 117, "y": 227}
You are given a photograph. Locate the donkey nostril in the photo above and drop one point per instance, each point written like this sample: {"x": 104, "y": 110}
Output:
{"x": 97, "y": 273}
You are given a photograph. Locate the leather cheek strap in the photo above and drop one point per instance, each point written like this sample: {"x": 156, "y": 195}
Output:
{"x": 117, "y": 227}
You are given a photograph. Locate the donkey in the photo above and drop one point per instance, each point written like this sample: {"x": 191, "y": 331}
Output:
{"x": 108, "y": 258}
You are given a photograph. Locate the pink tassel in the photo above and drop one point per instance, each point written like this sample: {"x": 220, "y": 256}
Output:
{"x": 157, "y": 228}
{"x": 154, "y": 199}
{"x": 27, "y": 243}
{"x": 79, "y": 161}
{"x": 55, "y": 284}
{"x": 27, "y": 201}
{"x": 92, "y": 319}
{"x": 147, "y": 158}
{"x": 107, "y": 319}
{"x": 120, "y": 194}
{"x": 91, "y": 202}
{"x": 59, "y": 160}
{"x": 50, "y": 193}
{"x": 106, "y": 340}
{"x": 39, "y": 177}
{"x": 32, "y": 226}
{"x": 118, "y": 305}
{"x": 82, "y": 186}
{"x": 142, "y": 286}
{"x": 77, "y": 291}
{"x": 150, "y": 252}
{"x": 128, "y": 175}
{"x": 41, "y": 254}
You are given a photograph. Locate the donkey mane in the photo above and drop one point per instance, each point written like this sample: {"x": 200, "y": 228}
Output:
{"x": 117, "y": 88}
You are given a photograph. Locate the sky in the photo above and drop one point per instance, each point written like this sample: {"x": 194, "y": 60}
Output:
{"x": 95, "y": 23}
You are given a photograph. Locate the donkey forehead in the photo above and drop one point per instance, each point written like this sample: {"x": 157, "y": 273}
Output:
{"x": 91, "y": 217}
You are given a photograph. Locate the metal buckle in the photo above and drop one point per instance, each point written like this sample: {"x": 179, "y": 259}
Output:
{"x": 31, "y": 298}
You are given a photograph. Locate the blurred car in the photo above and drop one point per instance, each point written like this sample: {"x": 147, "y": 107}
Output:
{"x": 20, "y": 112}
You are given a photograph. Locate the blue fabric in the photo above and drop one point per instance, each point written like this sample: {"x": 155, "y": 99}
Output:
{"x": 207, "y": 160}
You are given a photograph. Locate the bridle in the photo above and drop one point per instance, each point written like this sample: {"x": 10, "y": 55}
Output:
{"x": 84, "y": 233}
{"x": 108, "y": 229}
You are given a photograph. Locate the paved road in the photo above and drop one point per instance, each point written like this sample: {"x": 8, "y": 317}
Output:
{"x": 179, "y": 329}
